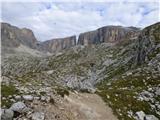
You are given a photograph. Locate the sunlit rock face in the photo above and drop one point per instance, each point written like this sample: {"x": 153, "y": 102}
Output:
{"x": 13, "y": 36}
{"x": 112, "y": 34}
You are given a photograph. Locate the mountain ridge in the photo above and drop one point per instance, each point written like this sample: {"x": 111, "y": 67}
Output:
{"x": 112, "y": 34}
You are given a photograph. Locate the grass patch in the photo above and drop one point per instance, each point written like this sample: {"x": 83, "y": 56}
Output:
{"x": 7, "y": 91}
{"x": 121, "y": 95}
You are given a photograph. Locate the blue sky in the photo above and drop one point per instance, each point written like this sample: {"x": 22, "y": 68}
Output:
{"x": 61, "y": 19}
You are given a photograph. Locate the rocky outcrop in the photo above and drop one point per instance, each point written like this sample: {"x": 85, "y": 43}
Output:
{"x": 13, "y": 36}
{"x": 112, "y": 34}
{"x": 55, "y": 45}
{"x": 148, "y": 43}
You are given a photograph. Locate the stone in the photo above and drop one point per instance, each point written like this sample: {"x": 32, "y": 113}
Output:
{"x": 129, "y": 73}
{"x": 28, "y": 97}
{"x": 38, "y": 116}
{"x": 151, "y": 117}
{"x": 157, "y": 92}
{"x": 50, "y": 72}
{"x": 140, "y": 115}
{"x": 43, "y": 98}
{"x": 19, "y": 107}
{"x": 36, "y": 98}
{"x": 7, "y": 114}
{"x": 18, "y": 97}
{"x": 12, "y": 100}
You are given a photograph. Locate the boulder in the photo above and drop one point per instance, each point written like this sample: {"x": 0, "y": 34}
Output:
{"x": 150, "y": 117}
{"x": 140, "y": 115}
{"x": 6, "y": 114}
{"x": 19, "y": 107}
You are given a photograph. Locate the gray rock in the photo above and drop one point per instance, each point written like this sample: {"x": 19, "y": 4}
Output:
{"x": 108, "y": 34}
{"x": 38, "y": 116}
{"x": 43, "y": 98}
{"x": 19, "y": 107}
{"x": 18, "y": 97}
{"x": 36, "y": 98}
{"x": 140, "y": 115}
{"x": 50, "y": 72}
{"x": 150, "y": 117}
{"x": 6, "y": 114}
{"x": 28, "y": 97}
{"x": 157, "y": 91}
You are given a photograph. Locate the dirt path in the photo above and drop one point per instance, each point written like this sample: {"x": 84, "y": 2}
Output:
{"x": 76, "y": 106}
{"x": 86, "y": 106}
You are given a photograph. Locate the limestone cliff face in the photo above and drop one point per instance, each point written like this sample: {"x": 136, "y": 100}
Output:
{"x": 55, "y": 45}
{"x": 107, "y": 34}
{"x": 148, "y": 45}
{"x": 13, "y": 36}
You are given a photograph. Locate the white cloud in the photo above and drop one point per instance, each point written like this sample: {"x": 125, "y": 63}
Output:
{"x": 52, "y": 20}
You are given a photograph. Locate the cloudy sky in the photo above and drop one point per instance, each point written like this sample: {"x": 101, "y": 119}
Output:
{"x": 60, "y": 19}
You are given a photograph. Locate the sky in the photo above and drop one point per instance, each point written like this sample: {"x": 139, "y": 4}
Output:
{"x": 50, "y": 20}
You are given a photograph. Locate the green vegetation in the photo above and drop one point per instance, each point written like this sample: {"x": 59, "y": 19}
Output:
{"x": 62, "y": 91}
{"x": 154, "y": 53}
{"x": 7, "y": 91}
{"x": 121, "y": 94}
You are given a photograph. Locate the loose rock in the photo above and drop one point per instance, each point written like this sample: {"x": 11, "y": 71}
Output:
{"x": 28, "y": 97}
{"x": 38, "y": 116}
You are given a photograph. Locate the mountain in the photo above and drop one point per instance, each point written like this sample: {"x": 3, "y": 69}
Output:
{"x": 58, "y": 44}
{"x": 14, "y": 37}
{"x": 108, "y": 34}
{"x": 126, "y": 75}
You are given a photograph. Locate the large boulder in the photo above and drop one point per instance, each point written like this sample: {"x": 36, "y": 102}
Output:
{"x": 19, "y": 107}
{"x": 7, "y": 114}
{"x": 151, "y": 117}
